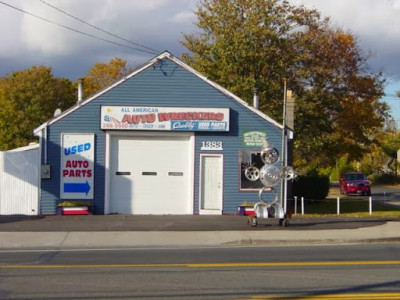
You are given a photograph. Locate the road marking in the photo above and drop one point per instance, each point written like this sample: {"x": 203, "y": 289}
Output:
{"x": 209, "y": 265}
{"x": 294, "y": 264}
{"x": 340, "y": 296}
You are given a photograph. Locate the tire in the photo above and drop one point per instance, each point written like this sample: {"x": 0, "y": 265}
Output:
{"x": 285, "y": 223}
{"x": 252, "y": 173}
{"x": 252, "y": 222}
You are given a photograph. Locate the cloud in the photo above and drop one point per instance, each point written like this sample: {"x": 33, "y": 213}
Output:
{"x": 184, "y": 17}
{"x": 51, "y": 39}
{"x": 374, "y": 22}
{"x": 28, "y": 41}
{"x": 159, "y": 24}
{"x": 41, "y": 36}
{"x": 10, "y": 24}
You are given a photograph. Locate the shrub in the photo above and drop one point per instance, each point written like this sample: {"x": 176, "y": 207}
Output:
{"x": 74, "y": 203}
{"x": 311, "y": 186}
{"x": 385, "y": 179}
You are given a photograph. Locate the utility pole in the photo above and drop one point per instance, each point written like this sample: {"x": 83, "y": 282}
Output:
{"x": 283, "y": 184}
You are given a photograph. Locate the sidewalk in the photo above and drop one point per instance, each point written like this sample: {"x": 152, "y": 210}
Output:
{"x": 71, "y": 232}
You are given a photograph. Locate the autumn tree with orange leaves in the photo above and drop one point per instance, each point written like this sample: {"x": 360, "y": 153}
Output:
{"x": 247, "y": 44}
{"x": 102, "y": 75}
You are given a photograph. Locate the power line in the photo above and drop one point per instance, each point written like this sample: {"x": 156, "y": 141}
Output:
{"x": 391, "y": 98}
{"x": 391, "y": 95}
{"x": 75, "y": 30}
{"x": 388, "y": 96}
{"x": 98, "y": 28}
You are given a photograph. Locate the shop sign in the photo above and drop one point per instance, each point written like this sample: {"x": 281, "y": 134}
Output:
{"x": 77, "y": 166}
{"x": 254, "y": 138}
{"x": 164, "y": 118}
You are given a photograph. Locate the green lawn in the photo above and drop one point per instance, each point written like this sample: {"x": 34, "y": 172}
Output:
{"x": 351, "y": 206}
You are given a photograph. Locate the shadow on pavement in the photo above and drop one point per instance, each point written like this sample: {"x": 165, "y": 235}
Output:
{"x": 176, "y": 223}
{"x": 18, "y": 218}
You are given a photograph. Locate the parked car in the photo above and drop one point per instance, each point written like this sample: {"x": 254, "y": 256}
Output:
{"x": 355, "y": 183}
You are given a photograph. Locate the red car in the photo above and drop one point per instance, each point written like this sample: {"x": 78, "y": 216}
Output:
{"x": 355, "y": 183}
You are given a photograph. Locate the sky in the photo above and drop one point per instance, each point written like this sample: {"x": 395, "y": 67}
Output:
{"x": 159, "y": 25}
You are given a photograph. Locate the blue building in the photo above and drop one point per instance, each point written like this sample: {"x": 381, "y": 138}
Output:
{"x": 163, "y": 140}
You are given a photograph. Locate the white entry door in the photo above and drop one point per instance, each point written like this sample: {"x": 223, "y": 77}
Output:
{"x": 211, "y": 184}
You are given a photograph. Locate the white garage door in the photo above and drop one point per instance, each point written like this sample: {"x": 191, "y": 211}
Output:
{"x": 150, "y": 175}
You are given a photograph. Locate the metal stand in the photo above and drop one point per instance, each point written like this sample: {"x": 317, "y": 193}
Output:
{"x": 263, "y": 210}
{"x": 270, "y": 175}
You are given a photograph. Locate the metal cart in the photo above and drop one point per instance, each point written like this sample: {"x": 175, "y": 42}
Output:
{"x": 263, "y": 211}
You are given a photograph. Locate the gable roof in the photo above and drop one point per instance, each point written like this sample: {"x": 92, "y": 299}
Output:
{"x": 163, "y": 55}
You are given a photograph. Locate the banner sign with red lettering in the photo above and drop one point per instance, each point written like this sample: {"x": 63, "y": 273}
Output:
{"x": 164, "y": 118}
{"x": 77, "y": 166}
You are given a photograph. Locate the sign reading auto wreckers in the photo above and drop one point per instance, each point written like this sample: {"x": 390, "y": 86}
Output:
{"x": 164, "y": 118}
{"x": 77, "y": 166}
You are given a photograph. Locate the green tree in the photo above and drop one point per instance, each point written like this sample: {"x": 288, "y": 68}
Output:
{"x": 243, "y": 44}
{"x": 102, "y": 75}
{"x": 390, "y": 144}
{"x": 382, "y": 156}
{"x": 27, "y": 99}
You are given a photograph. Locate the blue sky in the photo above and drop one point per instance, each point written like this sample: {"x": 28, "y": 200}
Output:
{"x": 159, "y": 24}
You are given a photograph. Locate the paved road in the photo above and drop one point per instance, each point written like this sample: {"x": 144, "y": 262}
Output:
{"x": 390, "y": 194}
{"x": 387, "y": 195}
{"x": 368, "y": 271}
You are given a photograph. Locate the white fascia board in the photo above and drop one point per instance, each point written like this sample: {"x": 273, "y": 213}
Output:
{"x": 163, "y": 55}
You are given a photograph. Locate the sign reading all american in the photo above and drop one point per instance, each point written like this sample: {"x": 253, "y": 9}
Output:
{"x": 164, "y": 118}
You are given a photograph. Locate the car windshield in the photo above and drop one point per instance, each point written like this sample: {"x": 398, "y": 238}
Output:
{"x": 354, "y": 177}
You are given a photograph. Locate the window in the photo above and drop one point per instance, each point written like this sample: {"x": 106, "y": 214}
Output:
{"x": 175, "y": 173}
{"x": 250, "y": 165}
{"x": 149, "y": 173}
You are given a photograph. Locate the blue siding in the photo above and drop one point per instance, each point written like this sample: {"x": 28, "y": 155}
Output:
{"x": 163, "y": 84}
{"x": 232, "y": 144}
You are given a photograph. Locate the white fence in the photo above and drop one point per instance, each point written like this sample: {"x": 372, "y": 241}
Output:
{"x": 19, "y": 181}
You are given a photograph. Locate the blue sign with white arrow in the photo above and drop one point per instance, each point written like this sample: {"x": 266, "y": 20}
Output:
{"x": 77, "y": 166}
{"x": 77, "y": 187}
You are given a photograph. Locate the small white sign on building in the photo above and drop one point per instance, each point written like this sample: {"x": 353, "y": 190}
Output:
{"x": 77, "y": 166}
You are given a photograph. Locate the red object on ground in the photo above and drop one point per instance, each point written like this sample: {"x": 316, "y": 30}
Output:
{"x": 249, "y": 212}
{"x": 75, "y": 211}
{"x": 245, "y": 211}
